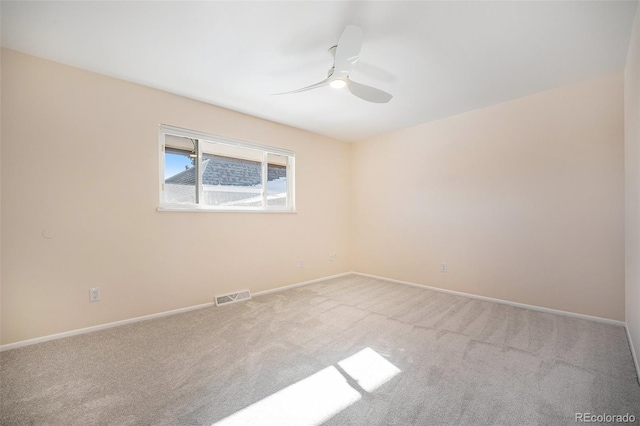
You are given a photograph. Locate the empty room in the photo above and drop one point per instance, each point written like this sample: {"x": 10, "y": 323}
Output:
{"x": 319, "y": 212}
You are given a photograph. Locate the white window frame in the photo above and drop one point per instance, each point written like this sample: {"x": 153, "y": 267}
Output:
{"x": 207, "y": 138}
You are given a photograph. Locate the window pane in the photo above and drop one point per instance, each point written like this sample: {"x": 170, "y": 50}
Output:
{"x": 179, "y": 177}
{"x": 208, "y": 172}
{"x": 231, "y": 176}
{"x": 277, "y": 180}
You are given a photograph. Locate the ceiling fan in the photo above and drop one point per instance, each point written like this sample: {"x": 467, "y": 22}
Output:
{"x": 346, "y": 54}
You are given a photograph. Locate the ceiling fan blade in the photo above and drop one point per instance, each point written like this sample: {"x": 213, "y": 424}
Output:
{"x": 304, "y": 89}
{"x": 368, "y": 93}
{"x": 348, "y": 50}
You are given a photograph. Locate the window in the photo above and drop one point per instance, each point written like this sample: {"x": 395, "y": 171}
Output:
{"x": 212, "y": 173}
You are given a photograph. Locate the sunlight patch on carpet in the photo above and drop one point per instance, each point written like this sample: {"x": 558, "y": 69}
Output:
{"x": 310, "y": 401}
{"x": 317, "y": 398}
{"x": 370, "y": 369}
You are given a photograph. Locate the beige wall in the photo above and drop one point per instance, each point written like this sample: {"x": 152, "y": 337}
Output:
{"x": 523, "y": 200}
{"x": 80, "y": 159}
{"x": 632, "y": 184}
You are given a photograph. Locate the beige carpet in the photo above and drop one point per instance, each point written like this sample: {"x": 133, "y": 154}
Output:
{"x": 350, "y": 351}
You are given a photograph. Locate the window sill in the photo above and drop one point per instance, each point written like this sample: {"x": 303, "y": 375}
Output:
{"x": 208, "y": 210}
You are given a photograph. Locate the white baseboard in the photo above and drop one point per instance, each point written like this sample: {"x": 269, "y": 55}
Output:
{"x": 148, "y": 317}
{"x": 633, "y": 353}
{"x": 100, "y": 327}
{"x": 304, "y": 283}
{"x": 287, "y": 287}
{"x": 501, "y": 301}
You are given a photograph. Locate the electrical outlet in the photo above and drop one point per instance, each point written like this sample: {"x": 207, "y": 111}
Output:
{"x": 443, "y": 267}
{"x": 301, "y": 264}
{"x": 331, "y": 257}
{"x": 94, "y": 294}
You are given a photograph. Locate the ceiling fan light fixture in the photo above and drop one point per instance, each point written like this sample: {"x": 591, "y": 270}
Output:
{"x": 338, "y": 83}
{"x": 345, "y": 55}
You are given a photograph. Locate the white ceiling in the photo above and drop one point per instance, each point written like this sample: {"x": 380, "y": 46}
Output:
{"x": 437, "y": 58}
